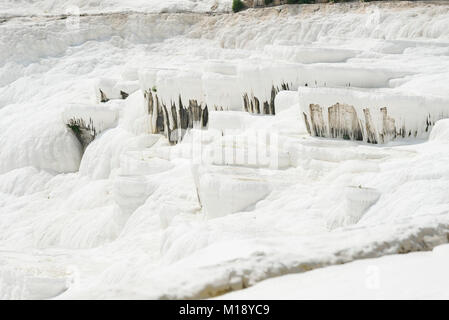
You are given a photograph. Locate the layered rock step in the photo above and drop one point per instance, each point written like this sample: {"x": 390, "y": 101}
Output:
{"x": 376, "y": 116}
{"x": 87, "y": 121}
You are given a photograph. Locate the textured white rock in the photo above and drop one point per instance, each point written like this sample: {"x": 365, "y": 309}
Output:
{"x": 376, "y": 117}
{"x": 222, "y": 194}
{"x": 129, "y": 223}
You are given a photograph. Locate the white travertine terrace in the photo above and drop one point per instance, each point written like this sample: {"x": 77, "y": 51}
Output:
{"x": 372, "y": 116}
{"x": 247, "y": 194}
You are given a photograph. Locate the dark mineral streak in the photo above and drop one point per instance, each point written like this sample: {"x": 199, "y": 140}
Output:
{"x": 175, "y": 120}
{"x": 84, "y": 132}
{"x": 254, "y": 105}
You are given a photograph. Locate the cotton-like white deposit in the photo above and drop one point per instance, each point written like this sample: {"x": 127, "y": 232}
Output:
{"x": 173, "y": 149}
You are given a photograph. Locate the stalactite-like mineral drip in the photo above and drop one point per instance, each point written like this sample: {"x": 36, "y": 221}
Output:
{"x": 267, "y": 107}
{"x": 175, "y": 120}
{"x": 388, "y": 126}
{"x": 306, "y": 120}
{"x": 274, "y": 92}
{"x": 371, "y": 133}
{"x": 344, "y": 123}
{"x": 246, "y": 102}
{"x": 84, "y": 132}
{"x": 103, "y": 97}
{"x": 319, "y": 128}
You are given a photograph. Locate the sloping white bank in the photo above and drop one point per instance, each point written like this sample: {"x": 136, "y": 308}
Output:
{"x": 383, "y": 278}
{"x": 248, "y": 194}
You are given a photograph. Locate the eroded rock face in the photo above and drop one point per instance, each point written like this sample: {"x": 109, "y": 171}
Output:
{"x": 253, "y": 104}
{"x": 371, "y": 133}
{"x": 343, "y": 122}
{"x": 373, "y": 117}
{"x": 84, "y": 131}
{"x": 319, "y": 128}
{"x": 175, "y": 119}
{"x": 88, "y": 121}
{"x": 388, "y": 126}
{"x": 103, "y": 97}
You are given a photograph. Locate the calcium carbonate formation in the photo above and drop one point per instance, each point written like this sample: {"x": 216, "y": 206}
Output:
{"x": 374, "y": 117}
{"x": 156, "y": 150}
{"x": 332, "y": 106}
{"x": 176, "y": 119}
